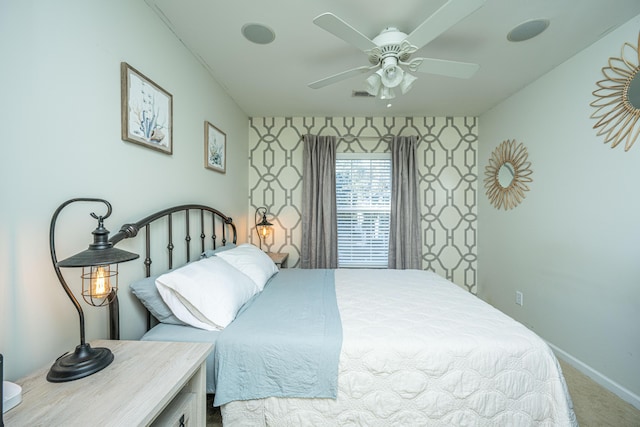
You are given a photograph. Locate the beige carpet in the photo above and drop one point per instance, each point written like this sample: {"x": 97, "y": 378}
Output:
{"x": 594, "y": 405}
{"x": 214, "y": 419}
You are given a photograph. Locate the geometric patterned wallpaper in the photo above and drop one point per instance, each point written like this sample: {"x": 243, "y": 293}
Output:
{"x": 447, "y": 156}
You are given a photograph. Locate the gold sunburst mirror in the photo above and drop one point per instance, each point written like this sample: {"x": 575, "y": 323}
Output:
{"x": 507, "y": 175}
{"x": 618, "y": 98}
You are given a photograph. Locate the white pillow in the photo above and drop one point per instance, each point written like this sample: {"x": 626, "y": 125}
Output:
{"x": 251, "y": 261}
{"x": 206, "y": 294}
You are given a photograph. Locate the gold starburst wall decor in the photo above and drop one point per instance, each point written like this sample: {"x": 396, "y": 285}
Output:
{"x": 618, "y": 98}
{"x": 507, "y": 175}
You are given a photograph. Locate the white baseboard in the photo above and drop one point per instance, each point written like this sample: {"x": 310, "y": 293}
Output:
{"x": 604, "y": 381}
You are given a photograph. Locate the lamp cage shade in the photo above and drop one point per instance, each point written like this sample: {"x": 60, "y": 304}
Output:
{"x": 99, "y": 284}
{"x": 264, "y": 228}
{"x": 99, "y": 272}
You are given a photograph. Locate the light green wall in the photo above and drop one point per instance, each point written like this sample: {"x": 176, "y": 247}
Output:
{"x": 571, "y": 247}
{"x": 60, "y": 136}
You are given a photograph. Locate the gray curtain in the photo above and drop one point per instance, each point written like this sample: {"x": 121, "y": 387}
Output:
{"x": 319, "y": 223}
{"x": 405, "y": 242}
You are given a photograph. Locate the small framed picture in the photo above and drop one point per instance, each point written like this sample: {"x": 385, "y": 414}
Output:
{"x": 147, "y": 111}
{"x": 215, "y": 148}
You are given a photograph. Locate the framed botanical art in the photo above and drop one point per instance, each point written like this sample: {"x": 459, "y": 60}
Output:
{"x": 215, "y": 148}
{"x": 147, "y": 111}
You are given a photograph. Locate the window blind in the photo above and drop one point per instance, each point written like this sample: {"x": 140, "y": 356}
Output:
{"x": 363, "y": 204}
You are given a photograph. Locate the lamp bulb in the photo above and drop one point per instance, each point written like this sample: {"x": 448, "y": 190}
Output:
{"x": 100, "y": 285}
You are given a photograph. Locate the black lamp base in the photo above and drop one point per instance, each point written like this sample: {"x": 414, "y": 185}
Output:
{"x": 83, "y": 362}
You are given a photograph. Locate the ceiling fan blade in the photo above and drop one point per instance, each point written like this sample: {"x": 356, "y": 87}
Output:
{"x": 447, "y": 16}
{"x": 461, "y": 70}
{"x": 336, "y": 26}
{"x": 340, "y": 76}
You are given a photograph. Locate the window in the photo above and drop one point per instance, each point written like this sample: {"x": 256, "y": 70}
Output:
{"x": 363, "y": 204}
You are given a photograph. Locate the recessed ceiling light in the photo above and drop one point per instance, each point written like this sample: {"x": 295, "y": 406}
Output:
{"x": 258, "y": 33}
{"x": 527, "y": 30}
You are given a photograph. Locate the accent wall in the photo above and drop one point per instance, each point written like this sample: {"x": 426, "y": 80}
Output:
{"x": 448, "y": 179}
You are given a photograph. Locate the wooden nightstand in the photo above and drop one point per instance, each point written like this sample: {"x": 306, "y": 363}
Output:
{"x": 279, "y": 258}
{"x": 148, "y": 382}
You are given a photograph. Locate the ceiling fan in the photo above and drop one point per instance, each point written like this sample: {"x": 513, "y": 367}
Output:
{"x": 391, "y": 50}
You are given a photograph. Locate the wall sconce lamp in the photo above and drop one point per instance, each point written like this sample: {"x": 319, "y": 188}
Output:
{"x": 264, "y": 227}
{"x": 99, "y": 287}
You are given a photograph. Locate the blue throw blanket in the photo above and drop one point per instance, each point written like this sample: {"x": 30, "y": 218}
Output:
{"x": 285, "y": 342}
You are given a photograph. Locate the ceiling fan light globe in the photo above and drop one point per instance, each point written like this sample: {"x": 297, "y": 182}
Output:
{"x": 392, "y": 76}
{"x": 372, "y": 84}
{"x": 387, "y": 93}
{"x": 407, "y": 82}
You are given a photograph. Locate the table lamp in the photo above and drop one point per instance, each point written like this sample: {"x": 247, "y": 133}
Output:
{"x": 264, "y": 227}
{"x": 99, "y": 287}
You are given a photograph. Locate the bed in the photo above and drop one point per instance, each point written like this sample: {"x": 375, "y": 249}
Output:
{"x": 348, "y": 346}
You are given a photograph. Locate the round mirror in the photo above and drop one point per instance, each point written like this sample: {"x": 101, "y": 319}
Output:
{"x": 633, "y": 93}
{"x": 506, "y": 175}
{"x": 618, "y": 99}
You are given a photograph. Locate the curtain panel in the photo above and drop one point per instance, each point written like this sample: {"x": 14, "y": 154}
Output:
{"x": 405, "y": 242}
{"x": 319, "y": 248}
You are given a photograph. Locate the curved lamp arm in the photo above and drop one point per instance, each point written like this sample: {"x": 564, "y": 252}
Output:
{"x": 54, "y": 259}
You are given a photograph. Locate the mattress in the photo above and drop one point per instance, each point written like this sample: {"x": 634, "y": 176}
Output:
{"x": 418, "y": 350}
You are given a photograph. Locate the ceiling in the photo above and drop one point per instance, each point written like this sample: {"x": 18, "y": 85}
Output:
{"x": 271, "y": 79}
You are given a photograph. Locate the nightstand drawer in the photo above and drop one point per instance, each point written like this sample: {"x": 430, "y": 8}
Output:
{"x": 179, "y": 413}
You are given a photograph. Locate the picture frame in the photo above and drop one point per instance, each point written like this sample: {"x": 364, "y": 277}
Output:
{"x": 215, "y": 148}
{"x": 147, "y": 111}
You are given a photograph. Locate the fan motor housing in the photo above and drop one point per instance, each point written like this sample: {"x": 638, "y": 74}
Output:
{"x": 391, "y": 42}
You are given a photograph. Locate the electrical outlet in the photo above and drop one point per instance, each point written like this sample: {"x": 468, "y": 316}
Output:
{"x": 519, "y": 298}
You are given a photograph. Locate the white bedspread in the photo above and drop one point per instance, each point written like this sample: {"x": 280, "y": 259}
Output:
{"x": 420, "y": 351}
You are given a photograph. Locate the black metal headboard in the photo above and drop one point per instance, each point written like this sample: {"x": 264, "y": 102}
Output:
{"x": 196, "y": 218}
